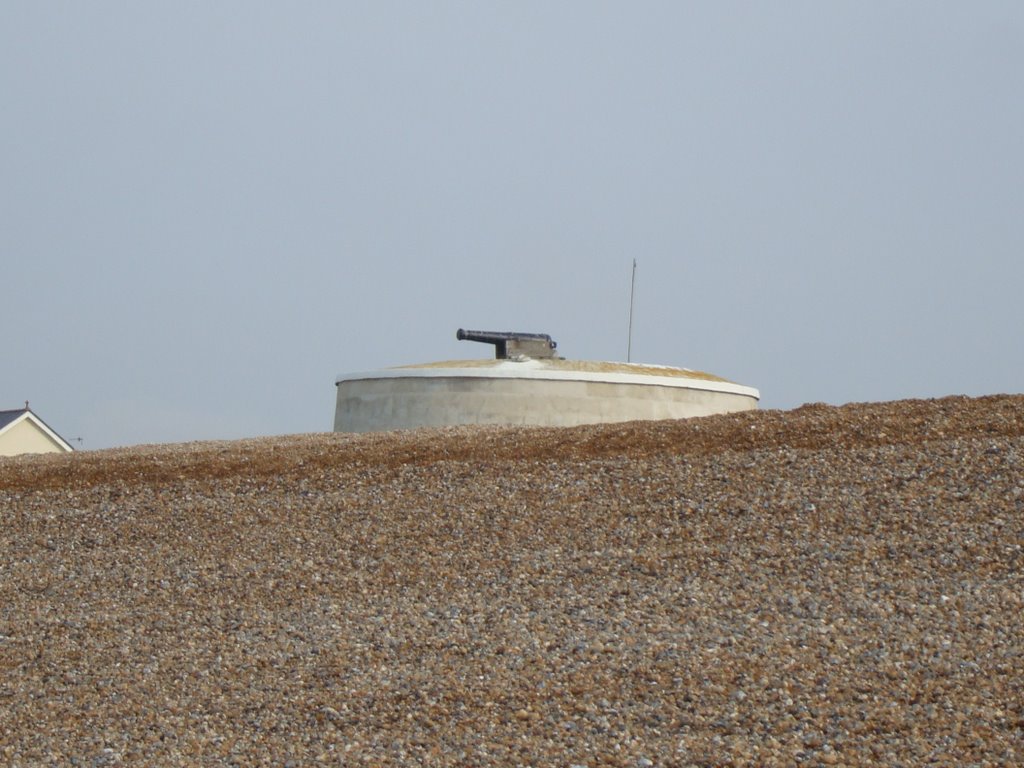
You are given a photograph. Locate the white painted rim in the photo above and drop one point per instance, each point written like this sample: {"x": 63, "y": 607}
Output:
{"x": 676, "y": 382}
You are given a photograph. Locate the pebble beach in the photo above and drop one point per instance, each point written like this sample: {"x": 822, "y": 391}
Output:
{"x": 822, "y": 586}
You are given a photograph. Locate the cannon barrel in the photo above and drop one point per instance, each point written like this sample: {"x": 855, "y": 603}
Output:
{"x": 490, "y": 337}
{"x": 512, "y": 343}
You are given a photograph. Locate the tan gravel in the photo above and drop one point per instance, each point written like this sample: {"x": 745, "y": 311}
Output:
{"x": 824, "y": 586}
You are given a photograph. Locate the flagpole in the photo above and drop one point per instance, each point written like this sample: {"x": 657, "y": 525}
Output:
{"x": 632, "y": 291}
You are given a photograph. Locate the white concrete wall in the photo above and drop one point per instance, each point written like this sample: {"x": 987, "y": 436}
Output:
{"x": 394, "y": 402}
{"x": 26, "y": 437}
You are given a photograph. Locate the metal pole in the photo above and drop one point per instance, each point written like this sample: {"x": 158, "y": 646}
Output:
{"x": 632, "y": 290}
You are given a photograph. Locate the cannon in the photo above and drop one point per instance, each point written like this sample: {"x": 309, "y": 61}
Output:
{"x": 510, "y": 344}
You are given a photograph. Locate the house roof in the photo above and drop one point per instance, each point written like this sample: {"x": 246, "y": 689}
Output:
{"x": 6, "y": 417}
{"x": 10, "y": 418}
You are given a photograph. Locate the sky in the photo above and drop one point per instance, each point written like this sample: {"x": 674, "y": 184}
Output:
{"x": 209, "y": 211}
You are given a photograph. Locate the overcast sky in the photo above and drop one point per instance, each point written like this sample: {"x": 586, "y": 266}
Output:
{"x": 209, "y": 210}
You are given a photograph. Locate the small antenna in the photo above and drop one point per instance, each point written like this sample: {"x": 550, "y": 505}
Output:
{"x": 632, "y": 291}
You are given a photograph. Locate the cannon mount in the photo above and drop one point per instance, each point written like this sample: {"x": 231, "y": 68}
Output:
{"x": 511, "y": 345}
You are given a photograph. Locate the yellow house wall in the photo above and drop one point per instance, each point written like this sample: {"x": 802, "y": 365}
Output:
{"x": 26, "y": 437}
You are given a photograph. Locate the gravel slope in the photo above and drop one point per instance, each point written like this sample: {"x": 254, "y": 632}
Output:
{"x": 824, "y": 586}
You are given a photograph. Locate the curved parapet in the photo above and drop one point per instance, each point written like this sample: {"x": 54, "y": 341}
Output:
{"x": 548, "y": 392}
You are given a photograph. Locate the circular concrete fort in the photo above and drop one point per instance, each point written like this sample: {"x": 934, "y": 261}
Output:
{"x": 528, "y": 384}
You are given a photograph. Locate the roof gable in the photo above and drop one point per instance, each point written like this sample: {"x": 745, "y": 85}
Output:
{"x": 9, "y": 419}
